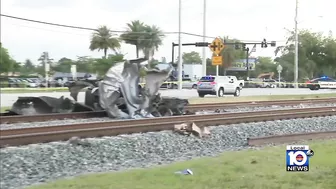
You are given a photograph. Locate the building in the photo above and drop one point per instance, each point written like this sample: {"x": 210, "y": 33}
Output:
{"x": 193, "y": 71}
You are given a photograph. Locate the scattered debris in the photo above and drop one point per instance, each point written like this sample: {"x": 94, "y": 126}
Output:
{"x": 182, "y": 129}
{"x": 191, "y": 128}
{"x": 78, "y": 141}
{"x": 185, "y": 172}
{"x": 118, "y": 93}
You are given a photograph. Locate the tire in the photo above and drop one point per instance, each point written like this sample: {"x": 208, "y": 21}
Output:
{"x": 317, "y": 87}
{"x": 221, "y": 92}
{"x": 201, "y": 95}
{"x": 237, "y": 92}
{"x": 194, "y": 86}
{"x": 175, "y": 86}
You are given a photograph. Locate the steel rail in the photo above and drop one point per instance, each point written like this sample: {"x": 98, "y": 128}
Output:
{"x": 186, "y": 118}
{"x": 38, "y": 135}
{"x": 280, "y": 139}
{"x": 191, "y": 107}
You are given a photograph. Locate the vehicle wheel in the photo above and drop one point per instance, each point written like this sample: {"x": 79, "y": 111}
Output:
{"x": 317, "y": 87}
{"x": 221, "y": 92}
{"x": 201, "y": 95}
{"x": 237, "y": 92}
{"x": 194, "y": 86}
{"x": 175, "y": 86}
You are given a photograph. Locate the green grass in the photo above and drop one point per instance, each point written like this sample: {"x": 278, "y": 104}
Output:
{"x": 3, "y": 109}
{"x": 35, "y": 90}
{"x": 250, "y": 169}
{"x": 258, "y": 98}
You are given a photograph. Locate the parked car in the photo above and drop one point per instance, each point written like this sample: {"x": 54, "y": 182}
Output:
{"x": 217, "y": 85}
{"x": 12, "y": 82}
{"x": 321, "y": 83}
{"x": 240, "y": 82}
{"x": 51, "y": 83}
{"x": 189, "y": 83}
{"x": 254, "y": 83}
{"x": 269, "y": 83}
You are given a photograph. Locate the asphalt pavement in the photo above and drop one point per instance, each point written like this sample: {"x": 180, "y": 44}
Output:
{"x": 9, "y": 98}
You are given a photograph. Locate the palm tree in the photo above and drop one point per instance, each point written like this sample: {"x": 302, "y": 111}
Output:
{"x": 102, "y": 40}
{"x": 151, "y": 40}
{"x": 134, "y": 32}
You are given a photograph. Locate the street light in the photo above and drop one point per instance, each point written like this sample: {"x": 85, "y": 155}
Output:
{"x": 296, "y": 58}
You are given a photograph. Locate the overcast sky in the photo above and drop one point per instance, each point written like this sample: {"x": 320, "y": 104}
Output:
{"x": 243, "y": 19}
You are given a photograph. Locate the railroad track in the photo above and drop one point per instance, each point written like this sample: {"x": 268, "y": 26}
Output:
{"x": 23, "y": 136}
{"x": 191, "y": 108}
{"x": 279, "y": 139}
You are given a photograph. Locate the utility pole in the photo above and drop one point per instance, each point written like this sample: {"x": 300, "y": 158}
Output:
{"x": 296, "y": 59}
{"x": 180, "y": 49}
{"x": 204, "y": 66}
{"x": 46, "y": 67}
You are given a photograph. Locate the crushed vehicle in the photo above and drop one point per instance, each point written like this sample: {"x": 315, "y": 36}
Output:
{"x": 118, "y": 93}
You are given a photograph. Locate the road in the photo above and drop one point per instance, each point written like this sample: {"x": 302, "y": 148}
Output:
{"x": 10, "y": 98}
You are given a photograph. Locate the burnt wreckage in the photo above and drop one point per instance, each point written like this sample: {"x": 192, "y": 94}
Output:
{"x": 118, "y": 93}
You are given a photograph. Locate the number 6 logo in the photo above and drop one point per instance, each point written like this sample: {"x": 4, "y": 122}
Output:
{"x": 295, "y": 157}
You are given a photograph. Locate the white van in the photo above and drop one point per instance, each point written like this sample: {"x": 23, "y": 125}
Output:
{"x": 209, "y": 85}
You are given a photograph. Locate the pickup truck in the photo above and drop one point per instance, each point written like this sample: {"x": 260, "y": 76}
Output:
{"x": 235, "y": 80}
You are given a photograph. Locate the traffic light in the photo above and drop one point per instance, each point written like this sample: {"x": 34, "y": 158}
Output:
{"x": 273, "y": 43}
{"x": 243, "y": 46}
{"x": 201, "y": 44}
{"x": 264, "y": 44}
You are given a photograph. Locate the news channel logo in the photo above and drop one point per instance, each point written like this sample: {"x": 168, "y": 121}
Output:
{"x": 297, "y": 158}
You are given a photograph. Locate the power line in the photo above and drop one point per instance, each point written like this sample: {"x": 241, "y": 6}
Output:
{"x": 92, "y": 29}
{"x": 56, "y": 31}
{"x": 113, "y": 31}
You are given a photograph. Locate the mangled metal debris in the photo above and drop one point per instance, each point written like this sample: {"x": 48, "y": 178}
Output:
{"x": 118, "y": 93}
{"x": 191, "y": 129}
{"x": 45, "y": 105}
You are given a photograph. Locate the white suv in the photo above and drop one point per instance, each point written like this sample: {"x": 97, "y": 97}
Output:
{"x": 220, "y": 85}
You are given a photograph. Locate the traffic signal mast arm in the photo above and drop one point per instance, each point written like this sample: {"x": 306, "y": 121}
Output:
{"x": 263, "y": 44}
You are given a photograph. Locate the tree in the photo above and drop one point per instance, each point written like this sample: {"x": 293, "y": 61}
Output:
{"x": 6, "y": 62}
{"x": 27, "y": 68}
{"x": 145, "y": 38}
{"x": 134, "y": 32}
{"x": 316, "y": 55}
{"x": 151, "y": 40}
{"x": 102, "y": 40}
{"x": 264, "y": 65}
{"x": 192, "y": 57}
{"x": 102, "y": 65}
{"x": 63, "y": 65}
{"x": 230, "y": 54}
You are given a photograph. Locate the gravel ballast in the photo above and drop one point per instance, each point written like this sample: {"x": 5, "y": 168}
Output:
{"x": 27, "y": 165}
{"x": 92, "y": 120}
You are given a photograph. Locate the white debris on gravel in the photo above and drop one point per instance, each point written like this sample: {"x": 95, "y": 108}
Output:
{"x": 93, "y": 120}
{"x": 32, "y": 164}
